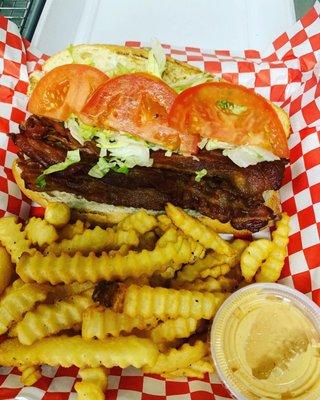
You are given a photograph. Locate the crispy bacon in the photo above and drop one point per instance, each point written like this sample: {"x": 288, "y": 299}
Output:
{"x": 227, "y": 192}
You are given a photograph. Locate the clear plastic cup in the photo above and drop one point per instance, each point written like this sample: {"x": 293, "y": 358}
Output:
{"x": 265, "y": 343}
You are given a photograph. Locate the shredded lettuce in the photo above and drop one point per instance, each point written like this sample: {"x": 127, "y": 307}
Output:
{"x": 100, "y": 169}
{"x": 73, "y": 156}
{"x": 103, "y": 166}
{"x": 156, "y": 62}
{"x": 228, "y": 106}
{"x": 183, "y": 84}
{"x": 80, "y": 131}
{"x": 213, "y": 144}
{"x": 121, "y": 148}
{"x": 85, "y": 58}
{"x": 121, "y": 69}
{"x": 200, "y": 174}
{"x": 243, "y": 156}
{"x": 247, "y": 155}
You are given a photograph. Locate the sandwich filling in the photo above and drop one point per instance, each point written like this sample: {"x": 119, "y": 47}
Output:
{"x": 209, "y": 183}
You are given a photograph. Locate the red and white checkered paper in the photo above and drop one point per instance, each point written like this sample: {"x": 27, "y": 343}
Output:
{"x": 287, "y": 74}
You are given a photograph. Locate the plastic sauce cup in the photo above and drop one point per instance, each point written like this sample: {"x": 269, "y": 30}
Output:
{"x": 265, "y": 343}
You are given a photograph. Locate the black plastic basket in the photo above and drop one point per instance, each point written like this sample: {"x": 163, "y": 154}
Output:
{"x": 24, "y": 13}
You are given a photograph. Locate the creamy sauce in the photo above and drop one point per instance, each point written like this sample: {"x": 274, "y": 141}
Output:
{"x": 271, "y": 350}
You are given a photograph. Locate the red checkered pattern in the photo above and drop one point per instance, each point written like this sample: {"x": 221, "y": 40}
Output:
{"x": 288, "y": 74}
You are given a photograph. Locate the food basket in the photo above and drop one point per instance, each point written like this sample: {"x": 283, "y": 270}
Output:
{"x": 288, "y": 74}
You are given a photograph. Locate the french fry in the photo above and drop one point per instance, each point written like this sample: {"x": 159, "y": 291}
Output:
{"x": 172, "y": 329}
{"x": 67, "y": 351}
{"x": 271, "y": 268}
{"x": 215, "y": 272}
{"x": 195, "y": 370}
{"x": 101, "y": 322}
{"x": 164, "y": 222}
{"x": 40, "y": 232}
{"x": 165, "y": 303}
{"x": 67, "y": 269}
{"x": 170, "y": 235}
{"x": 223, "y": 227}
{"x": 16, "y": 302}
{"x": 211, "y": 284}
{"x": 197, "y": 231}
{"x": 48, "y": 319}
{"x": 59, "y": 292}
{"x": 96, "y": 239}
{"x": 253, "y": 256}
{"x": 6, "y": 269}
{"x": 70, "y": 230}
{"x": 13, "y": 238}
{"x": 142, "y": 280}
{"x": 57, "y": 214}
{"x": 192, "y": 271}
{"x": 140, "y": 222}
{"x": 29, "y": 375}
{"x": 93, "y": 385}
{"x": 148, "y": 241}
{"x": 122, "y": 250}
{"x": 178, "y": 358}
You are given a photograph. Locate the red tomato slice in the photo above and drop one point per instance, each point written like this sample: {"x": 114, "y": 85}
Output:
{"x": 211, "y": 110}
{"x": 64, "y": 90}
{"x": 137, "y": 103}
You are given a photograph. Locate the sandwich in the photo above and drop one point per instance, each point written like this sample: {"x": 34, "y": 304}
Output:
{"x": 114, "y": 129}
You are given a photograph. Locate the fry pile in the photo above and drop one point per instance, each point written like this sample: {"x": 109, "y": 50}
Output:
{"x": 140, "y": 293}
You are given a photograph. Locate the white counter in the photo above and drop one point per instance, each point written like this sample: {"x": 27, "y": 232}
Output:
{"x": 211, "y": 24}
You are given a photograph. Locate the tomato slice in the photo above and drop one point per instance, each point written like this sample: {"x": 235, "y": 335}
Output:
{"x": 137, "y": 103}
{"x": 64, "y": 90}
{"x": 229, "y": 113}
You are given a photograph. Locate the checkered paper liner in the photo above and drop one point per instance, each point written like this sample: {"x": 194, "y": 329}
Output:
{"x": 288, "y": 74}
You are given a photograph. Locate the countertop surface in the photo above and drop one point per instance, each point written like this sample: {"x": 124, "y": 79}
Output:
{"x": 209, "y": 24}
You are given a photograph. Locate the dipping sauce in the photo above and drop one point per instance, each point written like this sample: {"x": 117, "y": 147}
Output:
{"x": 266, "y": 344}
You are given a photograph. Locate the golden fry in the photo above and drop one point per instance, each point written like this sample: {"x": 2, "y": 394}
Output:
{"x": 192, "y": 271}
{"x": 15, "y": 303}
{"x": 172, "y": 329}
{"x": 93, "y": 385}
{"x": 29, "y": 375}
{"x": 171, "y": 235}
{"x": 199, "y": 232}
{"x": 215, "y": 272}
{"x": 148, "y": 241}
{"x": 101, "y": 322}
{"x": 211, "y": 284}
{"x": 6, "y": 269}
{"x": 67, "y": 351}
{"x": 164, "y": 222}
{"x": 48, "y": 319}
{"x": 70, "y": 230}
{"x": 223, "y": 227}
{"x": 178, "y": 358}
{"x": 140, "y": 222}
{"x": 12, "y": 238}
{"x": 167, "y": 303}
{"x": 122, "y": 250}
{"x": 40, "y": 232}
{"x": 60, "y": 292}
{"x": 80, "y": 268}
{"x": 253, "y": 256}
{"x": 96, "y": 239}
{"x": 271, "y": 268}
{"x": 195, "y": 370}
{"x": 57, "y": 214}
